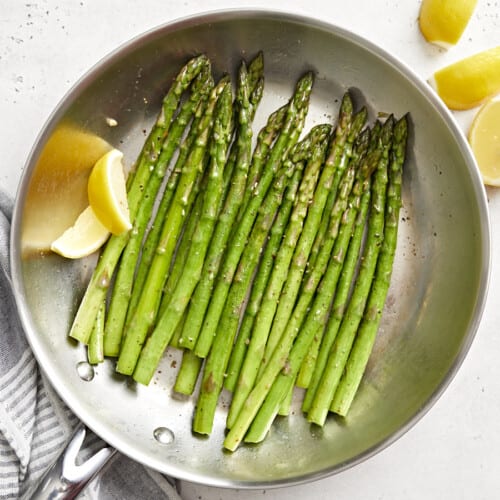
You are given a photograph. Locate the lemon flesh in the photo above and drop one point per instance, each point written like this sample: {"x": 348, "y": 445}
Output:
{"x": 83, "y": 238}
{"x": 443, "y": 22}
{"x": 107, "y": 192}
{"x": 484, "y": 138}
{"x": 470, "y": 81}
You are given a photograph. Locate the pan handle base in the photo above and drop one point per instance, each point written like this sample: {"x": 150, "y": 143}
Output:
{"x": 65, "y": 479}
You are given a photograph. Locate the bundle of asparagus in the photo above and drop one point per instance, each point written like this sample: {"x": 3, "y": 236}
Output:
{"x": 268, "y": 266}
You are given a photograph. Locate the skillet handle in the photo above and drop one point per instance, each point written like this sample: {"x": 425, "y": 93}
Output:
{"x": 64, "y": 480}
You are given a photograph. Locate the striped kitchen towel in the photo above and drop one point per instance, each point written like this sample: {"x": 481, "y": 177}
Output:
{"x": 35, "y": 424}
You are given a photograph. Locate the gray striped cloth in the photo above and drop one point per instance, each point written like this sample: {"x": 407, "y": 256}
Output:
{"x": 35, "y": 424}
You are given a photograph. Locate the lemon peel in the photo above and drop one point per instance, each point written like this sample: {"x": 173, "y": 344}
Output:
{"x": 442, "y": 22}
{"x": 469, "y": 82}
{"x": 107, "y": 192}
{"x": 484, "y": 139}
{"x": 83, "y": 238}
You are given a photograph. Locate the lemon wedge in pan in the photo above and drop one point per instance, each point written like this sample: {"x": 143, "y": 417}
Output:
{"x": 108, "y": 194}
{"x": 83, "y": 238}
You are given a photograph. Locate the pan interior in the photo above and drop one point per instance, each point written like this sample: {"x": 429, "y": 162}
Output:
{"x": 438, "y": 282}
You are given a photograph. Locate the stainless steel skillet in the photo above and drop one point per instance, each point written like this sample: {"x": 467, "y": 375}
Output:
{"x": 439, "y": 284}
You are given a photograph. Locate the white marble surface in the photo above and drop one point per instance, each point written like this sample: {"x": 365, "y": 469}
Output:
{"x": 453, "y": 452}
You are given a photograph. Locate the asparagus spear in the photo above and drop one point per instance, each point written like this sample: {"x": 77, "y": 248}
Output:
{"x": 188, "y": 373}
{"x": 232, "y": 203}
{"x": 147, "y": 307}
{"x": 340, "y": 152}
{"x": 179, "y": 298}
{"x": 255, "y": 84}
{"x": 280, "y": 270}
{"x": 213, "y": 374}
{"x": 337, "y": 241}
{"x": 340, "y": 349}
{"x": 265, "y": 139}
{"x": 101, "y": 278}
{"x": 365, "y": 337}
{"x": 183, "y": 247}
{"x": 122, "y": 288}
{"x": 288, "y": 137}
{"x": 95, "y": 349}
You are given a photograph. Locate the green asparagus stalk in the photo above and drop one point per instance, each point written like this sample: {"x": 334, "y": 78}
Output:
{"x": 332, "y": 251}
{"x": 358, "y": 357}
{"x": 185, "y": 381}
{"x": 179, "y": 298}
{"x": 215, "y": 366}
{"x": 288, "y": 137}
{"x": 122, "y": 288}
{"x": 174, "y": 341}
{"x": 341, "y": 296}
{"x": 265, "y": 139}
{"x": 147, "y": 307}
{"x": 290, "y": 290}
{"x": 229, "y": 211}
{"x": 343, "y": 342}
{"x": 185, "y": 241}
{"x": 280, "y": 270}
{"x": 101, "y": 278}
{"x": 255, "y": 86}
{"x": 95, "y": 349}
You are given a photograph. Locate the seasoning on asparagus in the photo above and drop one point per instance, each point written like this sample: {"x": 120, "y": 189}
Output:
{"x": 280, "y": 270}
{"x": 232, "y": 203}
{"x": 316, "y": 212}
{"x": 153, "y": 236}
{"x": 310, "y": 368}
{"x": 101, "y": 277}
{"x": 147, "y": 307}
{"x": 340, "y": 349}
{"x": 278, "y": 228}
{"x": 333, "y": 250}
{"x": 122, "y": 288}
{"x": 216, "y": 363}
{"x": 177, "y": 302}
{"x": 289, "y": 135}
{"x": 365, "y": 338}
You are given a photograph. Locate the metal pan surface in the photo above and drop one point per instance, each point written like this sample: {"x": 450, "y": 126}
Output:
{"x": 439, "y": 282}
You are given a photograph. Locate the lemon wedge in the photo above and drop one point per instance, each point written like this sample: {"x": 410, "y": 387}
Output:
{"x": 484, "y": 138}
{"x": 471, "y": 81}
{"x": 107, "y": 192}
{"x": 442, "y": 22}
{"x": 84, "y": 237}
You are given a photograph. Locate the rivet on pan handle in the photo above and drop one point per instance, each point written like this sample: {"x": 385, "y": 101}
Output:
{"x": 65, "y": 479}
